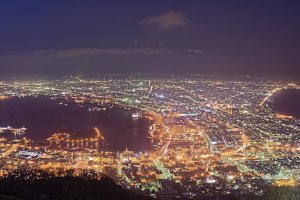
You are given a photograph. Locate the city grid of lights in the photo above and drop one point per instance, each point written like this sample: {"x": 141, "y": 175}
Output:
{"x": 209, "y": 137}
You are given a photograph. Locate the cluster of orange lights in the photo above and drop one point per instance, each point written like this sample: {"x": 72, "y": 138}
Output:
{"x": 282, "y": 116}
{"x": 3, "y": 97}
{"x": 285, "y": 182}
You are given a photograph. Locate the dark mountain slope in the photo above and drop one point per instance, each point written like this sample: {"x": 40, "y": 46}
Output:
{"x": 67, "y": 188}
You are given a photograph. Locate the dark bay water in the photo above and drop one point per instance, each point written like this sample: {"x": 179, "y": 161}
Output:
{"x": 43, "y": 117}
{"x": 287, "y": 102}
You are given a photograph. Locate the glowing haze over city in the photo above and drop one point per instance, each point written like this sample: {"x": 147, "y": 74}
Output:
{"x": 152, "y": 99}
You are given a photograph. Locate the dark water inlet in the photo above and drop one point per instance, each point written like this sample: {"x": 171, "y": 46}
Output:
{"x": 43, "y": 116}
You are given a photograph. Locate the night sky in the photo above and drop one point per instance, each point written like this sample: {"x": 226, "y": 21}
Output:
{"x": 56, "y": 38}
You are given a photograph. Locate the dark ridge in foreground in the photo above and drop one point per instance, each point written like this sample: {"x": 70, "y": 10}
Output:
{"x": 67, "y": 188}
{"x": 47, "y": 187}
